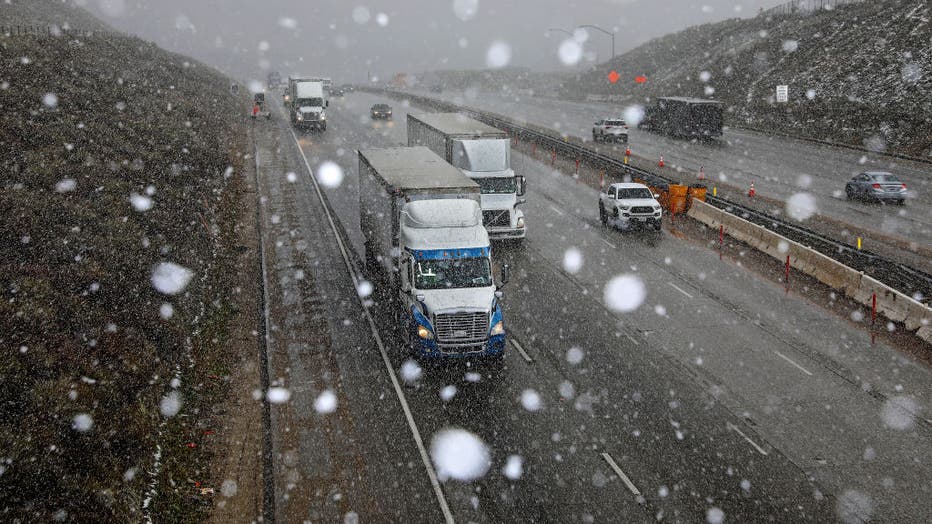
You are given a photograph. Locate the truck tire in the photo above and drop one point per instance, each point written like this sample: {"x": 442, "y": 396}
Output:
{"x": 602, "y": 217}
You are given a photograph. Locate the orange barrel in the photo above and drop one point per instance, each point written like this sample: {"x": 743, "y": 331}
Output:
{"x": 676, "y": 202}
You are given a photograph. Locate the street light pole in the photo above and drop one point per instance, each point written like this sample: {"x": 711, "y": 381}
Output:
{"x": 557, "y": 29}
{"x": 611, "y": 34}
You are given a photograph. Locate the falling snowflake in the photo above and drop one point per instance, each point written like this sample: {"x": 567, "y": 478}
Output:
{"x": 459, "y": 455}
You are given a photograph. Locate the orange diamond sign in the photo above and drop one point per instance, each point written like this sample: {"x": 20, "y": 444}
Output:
{"x": 613, "y": 76}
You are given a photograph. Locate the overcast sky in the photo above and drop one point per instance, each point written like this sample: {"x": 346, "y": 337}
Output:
{"x": 347, "y": 39}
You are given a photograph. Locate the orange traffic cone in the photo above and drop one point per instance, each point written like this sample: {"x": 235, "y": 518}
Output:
{"x": 751, "y": 192}
{"x": 660, "y": 164}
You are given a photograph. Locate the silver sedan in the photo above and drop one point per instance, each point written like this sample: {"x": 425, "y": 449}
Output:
{"x": 878, "y": 186}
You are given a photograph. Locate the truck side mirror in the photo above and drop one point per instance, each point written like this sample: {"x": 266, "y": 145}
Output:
{"x": 522, "y": 185}
{"x": 327, "y": 103}
{"x": 506, "y": 273}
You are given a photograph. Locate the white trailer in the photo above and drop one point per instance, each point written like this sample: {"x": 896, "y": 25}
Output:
{"x": 425, "y": 243}
{"x": 482, "y": 153}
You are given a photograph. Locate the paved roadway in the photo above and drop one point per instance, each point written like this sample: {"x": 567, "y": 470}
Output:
{"x": 737, "y": 397}
{"x": 779, "y": 167}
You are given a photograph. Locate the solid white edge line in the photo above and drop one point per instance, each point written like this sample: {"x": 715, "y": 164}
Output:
{"x": 788, "y": 359}
{"x": 745, "y": 437}
{"x": 621, "y": 474}
{"x": 609, "y": 244}
{"x": 674, "y": 286}
{"x": 425, "y": 458}
{"x": 520, "y": 349}
{"x": 561, "y": 213}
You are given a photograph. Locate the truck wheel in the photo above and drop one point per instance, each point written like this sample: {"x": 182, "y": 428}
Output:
{"x": 602, "y": 217}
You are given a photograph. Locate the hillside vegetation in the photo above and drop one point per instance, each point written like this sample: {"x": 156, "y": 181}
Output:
{"x": 115, "y": 157}
{"x": 860, "y": 74}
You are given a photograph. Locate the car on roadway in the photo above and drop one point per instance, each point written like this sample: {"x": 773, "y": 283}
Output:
{"x": 336, "y": 91}
{"x": 610, "y": 129}
{"x": 878, "y": 186}
{"x": 381, "y": 111}
{"x": 628, "y": 205}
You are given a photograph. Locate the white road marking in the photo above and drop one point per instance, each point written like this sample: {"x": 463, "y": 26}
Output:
{"x": 609, "y": 244}
{"x": 632, "y": 339}
{"x": 786, "y": 358}
{"x": 521, "y": 350}
{"x": 621, "y": 474}
{"x": 557, "y": 210}
{"x": 738, "y": 431}
{"x": 674, "y": 286}
{"x": 399, "y": 392}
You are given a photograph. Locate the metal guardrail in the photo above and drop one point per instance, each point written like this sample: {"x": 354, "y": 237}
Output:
{"x": 805, "y": 7}
{"x": 908, "y": 280}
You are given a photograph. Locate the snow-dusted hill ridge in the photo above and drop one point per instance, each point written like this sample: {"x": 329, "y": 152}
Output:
{"x": 859, "y": 74}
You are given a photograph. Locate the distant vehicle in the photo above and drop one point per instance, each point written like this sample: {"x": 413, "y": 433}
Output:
{"x": 483, "y": 153}
{"x": 258, "y": 107}
{"x": 879, "y": 186}
{"x": 684, "y": 117}
{"x": 381, "y": 111}
{"x": 307, "y": 102}
{"x": 610, "y": 129}
{"x": 336, "y": 91}
{"x": 348, "y": 88}
{"x": 436, "y": 88}
{"x": 628, "y": 206}
{"x": 274, "y": 80}
{"x": 425, "y": 242}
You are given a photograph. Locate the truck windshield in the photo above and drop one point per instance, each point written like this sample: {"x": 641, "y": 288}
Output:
{"x": 497, "y": 185}
{"x": 482, "y": 156}
{"x": 310, "y": 102}
{"x": 452, "y": 273}
{"x": 634, "y": 192}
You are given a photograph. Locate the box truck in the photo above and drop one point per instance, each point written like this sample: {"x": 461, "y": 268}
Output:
{"x": 482, "y": 153}
{"x": 426, "y": 246}
{"x": 307, "y": 102}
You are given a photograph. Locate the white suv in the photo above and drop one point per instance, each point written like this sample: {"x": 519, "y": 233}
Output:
{"x": 614, "y": 129}
{"x": 629, "y": 205}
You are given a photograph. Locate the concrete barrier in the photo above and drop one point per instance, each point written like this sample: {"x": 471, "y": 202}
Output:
{"x": 893, "y": 304}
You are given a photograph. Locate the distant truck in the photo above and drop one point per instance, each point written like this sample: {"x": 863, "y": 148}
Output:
{"x": 482, "y": 153}
{"x": 275, "y": 79}
{"x": 307, "y": 102}
{"x": 425, "y": 243}
{"x": 684, "y": 117}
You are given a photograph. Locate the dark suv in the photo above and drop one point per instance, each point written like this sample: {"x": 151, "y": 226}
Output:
{"x": 383, "y": 111}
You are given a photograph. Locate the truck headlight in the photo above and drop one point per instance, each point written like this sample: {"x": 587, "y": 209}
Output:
{"x": 300, "y": 116}
{"x": 323, "y": 116}
{"x": 424, "y": 333}
{"x": 520, "y": 222}
{"x": 498, "y": 329}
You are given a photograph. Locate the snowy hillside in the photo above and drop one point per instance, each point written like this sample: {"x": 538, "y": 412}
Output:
{"x": 860, "y": 74}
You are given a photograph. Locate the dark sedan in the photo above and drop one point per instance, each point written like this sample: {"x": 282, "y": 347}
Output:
{"x": 878, "y": 186}
{"x": 381, "y": 111}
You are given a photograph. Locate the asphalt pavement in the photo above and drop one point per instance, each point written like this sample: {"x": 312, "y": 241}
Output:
{"x": 720, "y": 393}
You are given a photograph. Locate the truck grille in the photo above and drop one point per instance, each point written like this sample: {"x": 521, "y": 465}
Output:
{"x": 466, "y": 326}
{"x": 496, "y": 218}
{"x": 642, "y": 210}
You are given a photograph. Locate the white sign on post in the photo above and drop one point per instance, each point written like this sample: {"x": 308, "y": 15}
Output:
{"x": 783, "y": 94}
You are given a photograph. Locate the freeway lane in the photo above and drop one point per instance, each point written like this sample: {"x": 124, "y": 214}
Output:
{"x": 656, "y": 393}
{"x": 806, "y": 379}
{"x": 779, "y": 167}
{"x": 562, "y": 445}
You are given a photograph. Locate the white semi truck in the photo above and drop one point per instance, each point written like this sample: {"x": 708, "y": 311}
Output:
{"x": 306, "y": 100}
{"x": 482, "y": 153}
{"x": 425, "y": 244}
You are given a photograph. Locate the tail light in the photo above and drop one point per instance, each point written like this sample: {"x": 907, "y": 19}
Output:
{"x": 904, "y": 186}
{"x": 875, "y": 186}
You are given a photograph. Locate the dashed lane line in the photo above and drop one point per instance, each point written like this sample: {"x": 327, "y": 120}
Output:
{"x": 527, "y": 358}
{"x": 788, "y": 359}
{"x": 621, "y": 474}
{"x": 745, "y": 437}
{"x": 678, "y": 288}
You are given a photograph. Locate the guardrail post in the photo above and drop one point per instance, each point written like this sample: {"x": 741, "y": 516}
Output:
{"x": 553, "y": 156}
{"x": 873, "y": 317}
{"x": 721, "y": 240}
{"x": 786, "y": 275}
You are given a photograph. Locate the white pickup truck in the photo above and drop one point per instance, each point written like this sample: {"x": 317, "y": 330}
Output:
{"x": 627, "y": 205}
